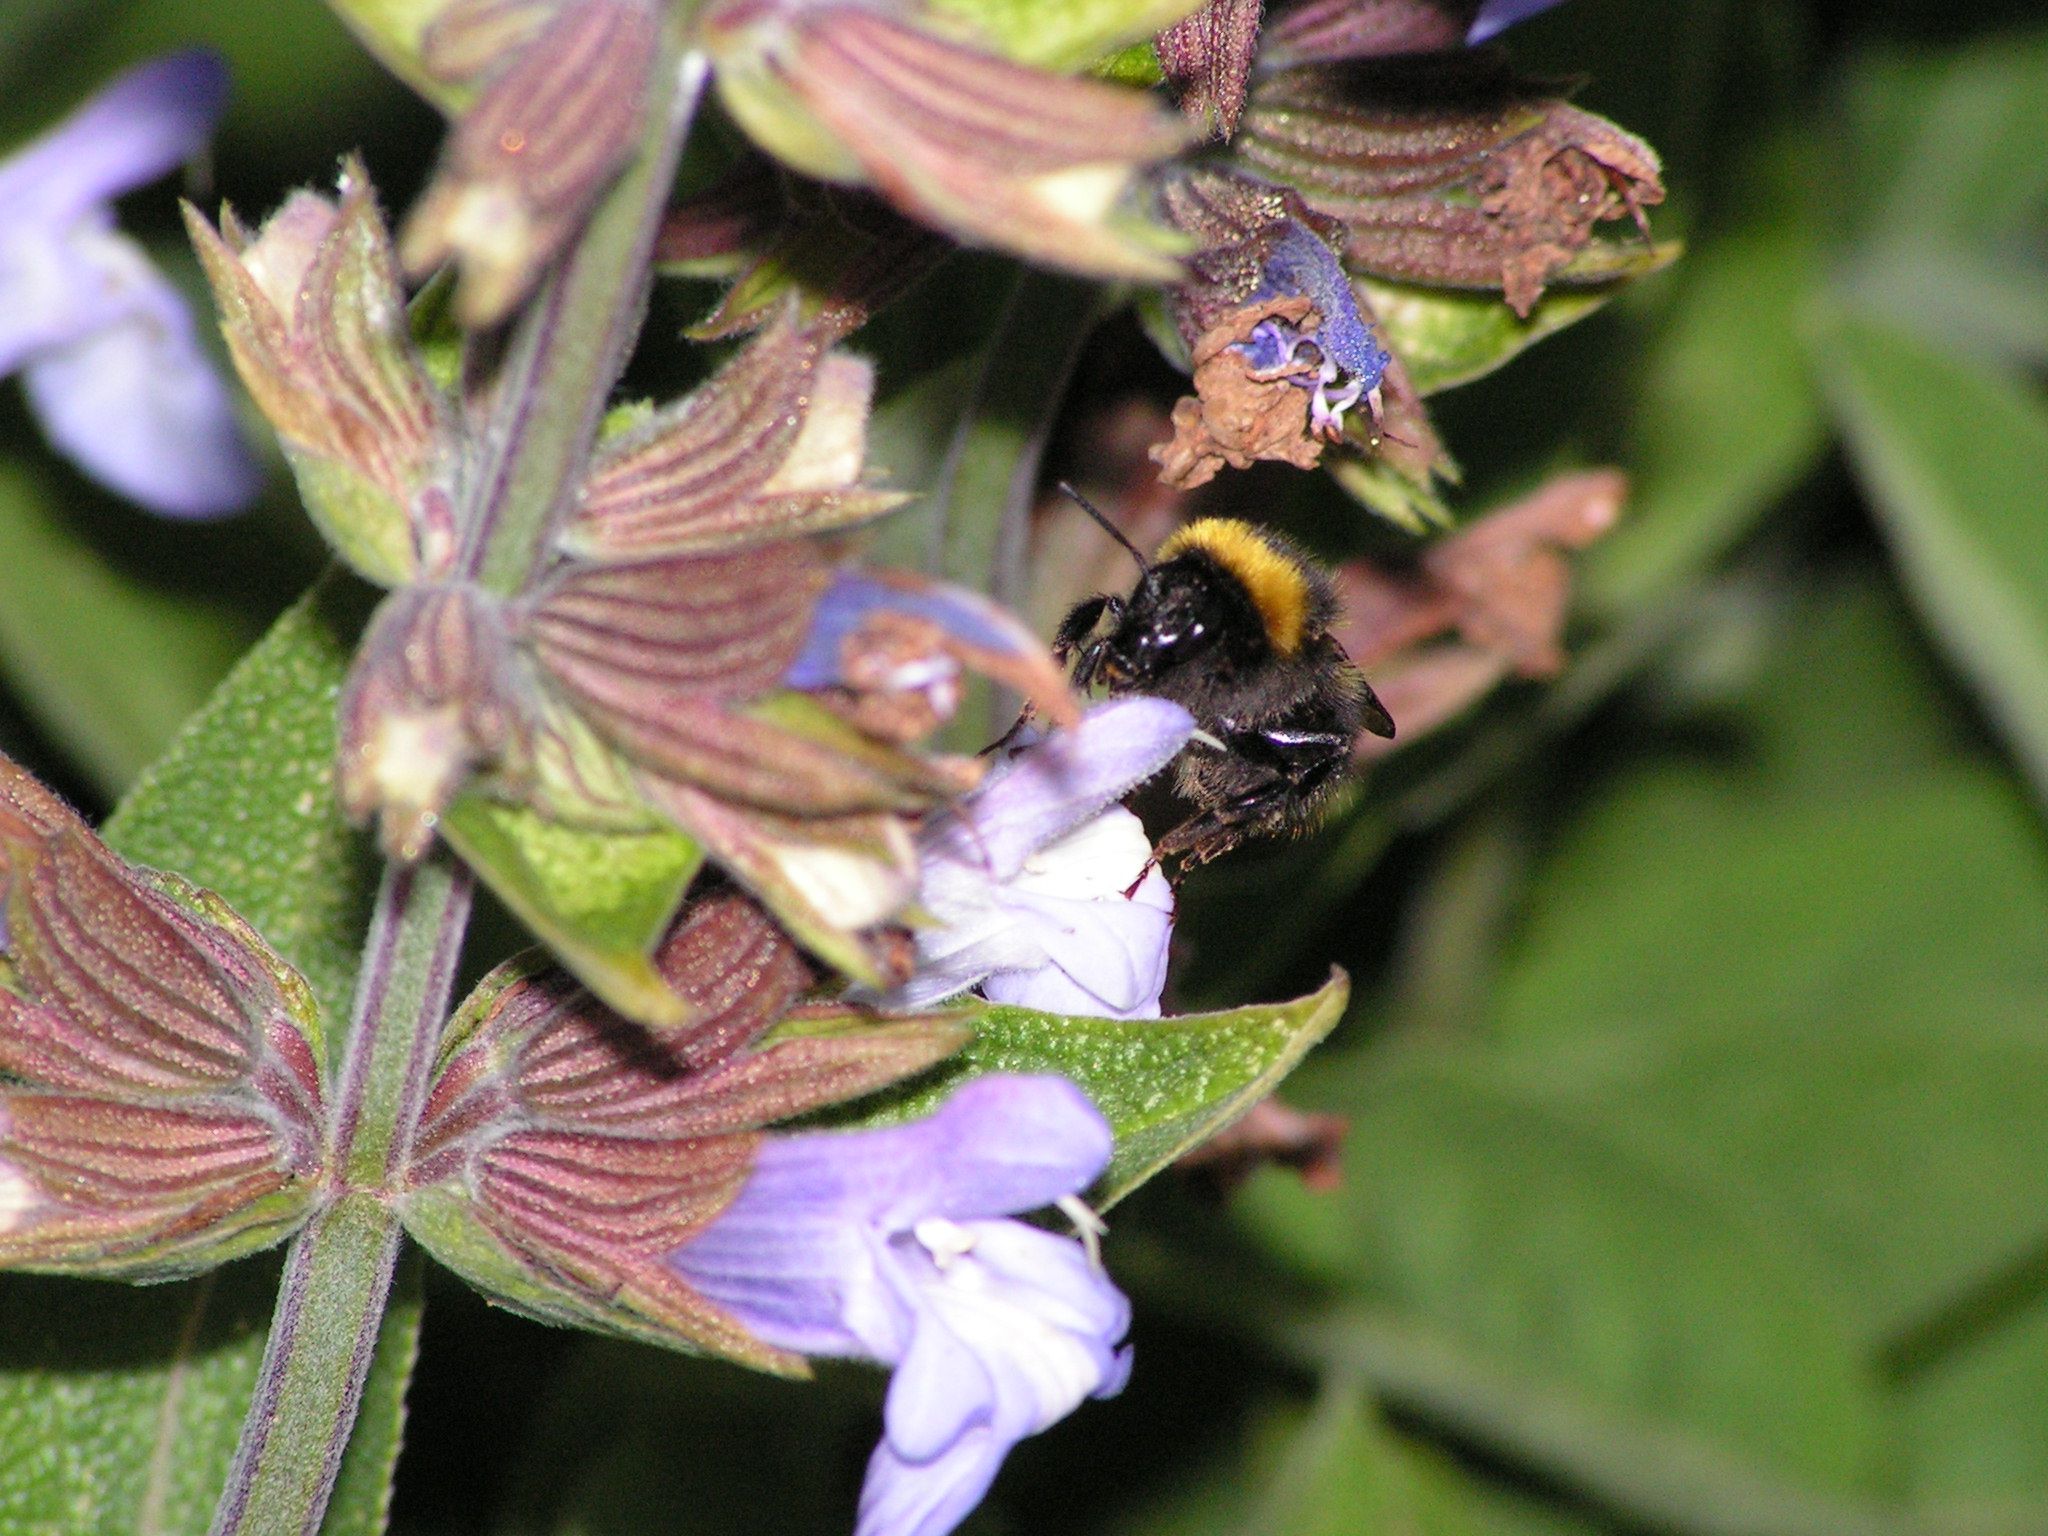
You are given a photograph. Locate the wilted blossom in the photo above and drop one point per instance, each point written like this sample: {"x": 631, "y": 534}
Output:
{"x": 1484, "y": 604}
{"x": 891, "y": 1245}
{"x": 1450, "y": 170}
{"x": 1278, "y": 346}
{"x": 1040, "y": 888}
{"x": 107, "y": 348}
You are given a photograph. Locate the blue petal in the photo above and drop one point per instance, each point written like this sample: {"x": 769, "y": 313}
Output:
{"x": 142, "y": 126}
{"x": 856, "y": 594}
{"x": 1300, "y": 263}
{"x": 901, "y": 1497}
{"x": 1496, "y": 16}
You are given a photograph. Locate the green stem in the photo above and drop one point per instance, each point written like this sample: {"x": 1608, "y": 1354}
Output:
{"x": 571, "y": 347}
{"x": 568, "y": 351}
{"x": 337, "y": 1275}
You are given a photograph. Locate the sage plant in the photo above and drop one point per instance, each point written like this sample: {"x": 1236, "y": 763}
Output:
{"x": 838, "y": 1032}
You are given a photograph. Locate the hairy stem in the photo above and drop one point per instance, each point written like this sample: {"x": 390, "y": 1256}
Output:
{"x": 337, "y": 1275}
{"x": 571, "y": 348}
{"x": 565, "y": 355}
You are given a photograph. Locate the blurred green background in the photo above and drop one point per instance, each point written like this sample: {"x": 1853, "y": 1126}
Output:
{"x": 1698, "y": 1067}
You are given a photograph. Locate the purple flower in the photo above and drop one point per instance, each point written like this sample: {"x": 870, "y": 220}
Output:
{"x": 1040, "y": 888}
{"x": 1496, "y": 16}
{"x": 106, "y": 346}
{"x": 1340, "y": 360}
{"x": 888, "y": 1245}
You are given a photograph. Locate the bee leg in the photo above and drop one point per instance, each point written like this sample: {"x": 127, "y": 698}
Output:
{"x": 1080, "y": 623}
{"x": 1287, "y": 771}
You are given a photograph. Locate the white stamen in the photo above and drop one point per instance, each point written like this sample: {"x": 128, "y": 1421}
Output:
{"x": 1088, "y": 1226}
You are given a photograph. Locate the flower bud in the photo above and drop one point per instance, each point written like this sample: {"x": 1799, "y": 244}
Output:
{"x": 564, "y": 91}
{"x": 315, "y": 319}
{"x": 565, "y": 1153}
{"x": 428, "y": 704}
{"x": 991, "y": 152}
{"x": 163, "y": 1106}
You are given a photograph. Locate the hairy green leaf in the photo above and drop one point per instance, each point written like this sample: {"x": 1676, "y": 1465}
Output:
{"x": 1164, "y": 1085}
{"x": 243, "y": 802}
{"x": 598, "y": 900}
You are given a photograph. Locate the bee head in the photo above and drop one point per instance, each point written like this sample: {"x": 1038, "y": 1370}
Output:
{"x": 1183, "y": 613}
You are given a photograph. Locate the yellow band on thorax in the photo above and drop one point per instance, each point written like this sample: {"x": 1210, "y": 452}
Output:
{"x": 1271, "y": 577}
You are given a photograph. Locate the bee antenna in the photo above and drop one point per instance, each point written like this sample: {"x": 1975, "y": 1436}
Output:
{"x": 1108, "y": 527}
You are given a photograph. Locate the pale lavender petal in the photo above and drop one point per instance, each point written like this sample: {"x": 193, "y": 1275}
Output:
{"x": 1010, "y": 1339}
{"x": 47, "y": 295}
{"x": 941, "y": 1388}
{"x": 1496, "y": 16}
{"x": 1067, "y": 1288}
{"x": 145, "y": 124}
{"x": 1103, "y": 959}
{"x": 786, "y": 1256}
{"x": 1061, "y": 781}
{"x": 928, "y": 1498}
{"x": 136, "y": 402}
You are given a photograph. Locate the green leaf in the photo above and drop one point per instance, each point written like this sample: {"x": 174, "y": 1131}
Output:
{"x": 108, "y": 656}
{"x": 1445, "y": 337}
{"x": 120, "y": 1409}
{"x": 1333, "y": 1469}
{"x": 1164, "y": 1085}
{"x": 120, "y": 1406}
{"x": 243, "y": 802}
{"x": 1949, "y": 142}
{"x": 1063, "y": 34}
{"x": 1654, "y": 1475}
{"x": 1726, "y": 417}
{"x": 598, "y": 900}
{"x": 1549, "y": 1241}
{"x": 1955, "y": 456}
{"x": 1383, "y": 490}
{"x": 1976, "y": 1420}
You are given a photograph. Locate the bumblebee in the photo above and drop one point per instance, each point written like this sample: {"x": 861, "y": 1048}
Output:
{"x": 1231, "y": 622}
